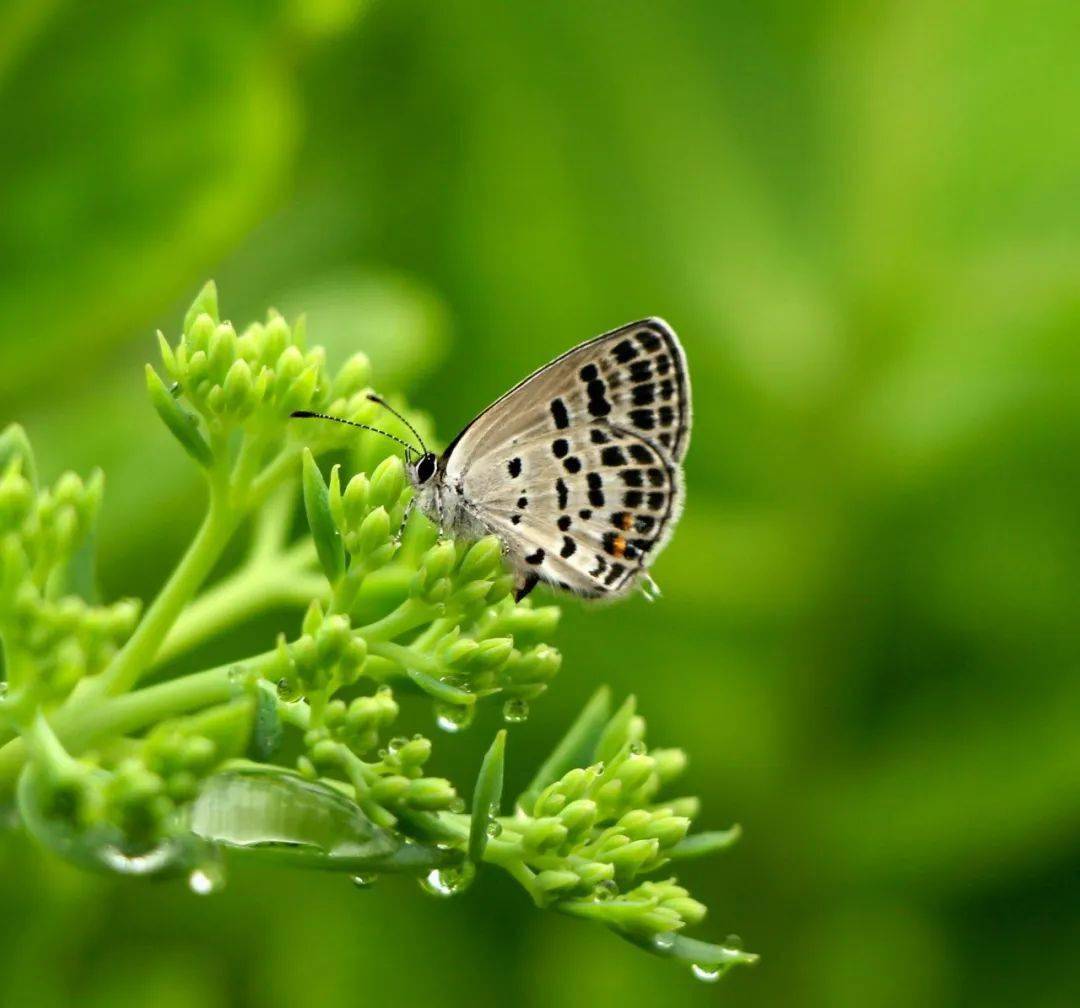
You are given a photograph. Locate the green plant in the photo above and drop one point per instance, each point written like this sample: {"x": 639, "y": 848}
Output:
{"x": 294, "y": 754}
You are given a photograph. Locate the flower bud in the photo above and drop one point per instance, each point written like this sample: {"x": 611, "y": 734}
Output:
{"x": 353, "y": 376}
{"x": 390, "y": 790}
{"x": 670, "y": 763}
{"x": 387, "y": 482}
{"x": 301, "y": 391}
{"x": 430, "y": 793}
{"x": 492, "y": 653}
{"x": 483, "y": 559}
{"x": 374, "y": 532}
{"x": 578, "y": 817}
{"x": 198, "y": 336}
{"x": 555, "y": 881}
{"x": 222, "y": 351}
{"x": 238, "y": 398}
{"x": 313, "y": 618}
{"x": 276, "y": 339}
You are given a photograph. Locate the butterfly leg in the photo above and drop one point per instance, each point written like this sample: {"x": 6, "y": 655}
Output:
{"x": 649, "y": 588}
{"x": 404, "y": 520}
{"x": 525, "y": 585}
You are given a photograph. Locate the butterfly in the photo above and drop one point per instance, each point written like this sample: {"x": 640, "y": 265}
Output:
{"x": 577, "y": 469}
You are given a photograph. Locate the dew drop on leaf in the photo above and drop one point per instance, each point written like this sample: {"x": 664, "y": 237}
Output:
{"x": 494, "y": 828}
{"x": 664, "y": 942}
{"x": 365, "y": 880}
{"x": 447, "y": 882}
{"x": 286, "y": 691}
{"x": 453, "y": 717}
{"x": 706, "y": 974}
{"x": 206, "y": 879}
{"x": 136, "y": 864}
{"x": 606, "y": 890}
{"x": 515, "y": 710}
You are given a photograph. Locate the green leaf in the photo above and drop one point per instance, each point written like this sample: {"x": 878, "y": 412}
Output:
{"x": 617, "y": 732}
{"x": 323, "y": 530}
{"x": 701, "y": 844}
{"x": 266, "y": 731}
{"x": 183, "y": 425}
{"x": 704, "y": 955}
{"x": 206, "y": 301}
{"x": 487, "y": 796}
{"x": 576, "y": 746}
{"x": 15, "y": 444}
{"x": 279, "y": 816}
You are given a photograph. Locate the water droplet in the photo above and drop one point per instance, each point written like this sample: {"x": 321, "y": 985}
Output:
{"x": 206, "y": 879}
{"x": 638, "y": 748}
{"x": 286, "y": 690}
{"x": 453, "y": 717}
{"x": 664, "y": 942}
{"x": 235, "y": 675}
{"x": 397, "y": 743}
{"x": 137, "y": 864}
{"x": 706, "y": 974}
{"x": 365, "y": 880}
{"x": 383, "y": 753}
{"x": 606, "y": 889}
{"x": 447, "y": 882}
{"x": 494, "y": 828}
{"x": 3, "y": 690}
{"x": 457, "y": 804}
{"x": 733, "y": 941}
{"x": 515, "y": 710}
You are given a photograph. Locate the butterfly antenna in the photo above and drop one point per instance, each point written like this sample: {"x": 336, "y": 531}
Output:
{"x": 385, "y": 405}
{"x": 307, "y": 414}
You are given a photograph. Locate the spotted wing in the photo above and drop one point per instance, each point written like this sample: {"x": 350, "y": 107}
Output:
{"x": 577, "y": 468}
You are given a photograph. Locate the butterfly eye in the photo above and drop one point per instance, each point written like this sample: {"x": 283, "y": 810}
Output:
{"x": 425, "y": 468}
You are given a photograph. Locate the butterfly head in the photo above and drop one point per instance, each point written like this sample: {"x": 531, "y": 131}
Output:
{"x": 423, "y": 469}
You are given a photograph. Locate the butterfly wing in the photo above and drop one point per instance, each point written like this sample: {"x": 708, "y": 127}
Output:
{"x": 577, "y": 468}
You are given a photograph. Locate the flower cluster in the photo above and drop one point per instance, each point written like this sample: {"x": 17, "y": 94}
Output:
{"x": 52, "y": 634}
{"x": 298, "y": 753}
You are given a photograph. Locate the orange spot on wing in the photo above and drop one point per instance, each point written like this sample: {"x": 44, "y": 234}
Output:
{"x": 627, "y": 521}
{"x": 618, "y": 548}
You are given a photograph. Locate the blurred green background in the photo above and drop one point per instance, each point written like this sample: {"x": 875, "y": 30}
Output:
{"x": 863, "y": 221}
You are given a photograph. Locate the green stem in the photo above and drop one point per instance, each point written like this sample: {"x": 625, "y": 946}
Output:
{"x": 137, "y": 654}
{"x": 82, "y": 727}
{"x": 254, "y": 589}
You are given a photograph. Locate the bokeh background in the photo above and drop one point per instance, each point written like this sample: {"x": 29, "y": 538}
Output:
{"x": 862, "y": 219}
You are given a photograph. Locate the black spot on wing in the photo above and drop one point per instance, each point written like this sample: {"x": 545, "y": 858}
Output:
{"x": 563, "y": 491}
{"x": 596, "y": 489}
{"x": 649, "y": 340}
{"x": 514, "y": 467}
{"x": 569, "y": 548}
{"x": 535, "y": 558}
{"x": 559, "y": 447}
{"x": 564, "y": 523}
{"x": 572, "y": 465}
{"x": 559, "y": 414}
{"x": 613, "y": 456}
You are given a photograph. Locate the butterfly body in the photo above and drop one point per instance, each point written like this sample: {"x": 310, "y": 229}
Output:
{"x": 578, "y": 468}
